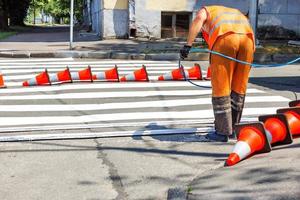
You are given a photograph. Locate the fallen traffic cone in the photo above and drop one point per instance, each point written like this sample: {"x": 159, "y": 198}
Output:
{"x": 295, "y": 103}
{"x": 2, "y": 85}
{"x": 208, "y": 73}
{"x": 277, "y": 129}
{"x": 109, "y": 75}
{"x": 83, "y": 75}
{"x": 193, "y": 73}
{"x": 61, "y": 77}
{"x": 138, "y": 75}
{"x": 41, "y": 79}
{"x": 293, "y": 118}
{"x": 251, "y": 139}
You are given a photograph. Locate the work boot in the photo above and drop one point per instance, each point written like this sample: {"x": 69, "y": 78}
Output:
{"x": 237, "y": 106}
{"x": 222, "y": 113}
{"x": 215, "y": 137}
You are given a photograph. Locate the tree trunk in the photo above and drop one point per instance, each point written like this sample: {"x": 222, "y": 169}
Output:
{"x": 3, "y": 15}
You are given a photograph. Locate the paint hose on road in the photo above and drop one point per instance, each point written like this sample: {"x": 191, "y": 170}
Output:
{"x": 256, "y": 65}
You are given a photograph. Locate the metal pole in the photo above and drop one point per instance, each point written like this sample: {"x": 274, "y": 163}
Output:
{"x": 71, "y": 23}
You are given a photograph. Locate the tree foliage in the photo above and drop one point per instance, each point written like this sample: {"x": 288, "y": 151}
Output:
{"x": 57, "y": 8}
{"x": 17, "y": 10}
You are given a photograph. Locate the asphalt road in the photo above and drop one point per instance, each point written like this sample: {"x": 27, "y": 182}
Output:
{"x": 136, "y": 167}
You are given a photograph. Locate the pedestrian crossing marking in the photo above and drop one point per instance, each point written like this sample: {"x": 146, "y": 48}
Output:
{"x": 194, "y": 103}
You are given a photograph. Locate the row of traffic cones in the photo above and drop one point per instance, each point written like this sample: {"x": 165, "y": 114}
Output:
{"x": 112, "y": 75}
{"x": 2, "y": 85}
{"x": 271, "y": 130}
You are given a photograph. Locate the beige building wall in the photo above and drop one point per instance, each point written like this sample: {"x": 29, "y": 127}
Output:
{"x": 169, "y": 5}
{"x": 116, "y": 4}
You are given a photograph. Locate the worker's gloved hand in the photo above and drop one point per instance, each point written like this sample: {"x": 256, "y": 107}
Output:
{"x": 184, "y": 51}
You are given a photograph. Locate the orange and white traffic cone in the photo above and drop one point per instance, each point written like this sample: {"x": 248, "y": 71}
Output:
{"x": 293, "y": 118}
{"x": 83, "y": 75}
{"x": 40, "y": 79}
{"x": 193, "y": 73}
{"x": 208, "y": 74}
{"x": 277, "y": 129}
{"x": 108, "y": 75}
{"x": 2, "y": 85}
{"x": 61, "y": 77}
{"x": 138, "y": 75}
{"x": 251, "y": 139}
{"x": 295, "y": 103}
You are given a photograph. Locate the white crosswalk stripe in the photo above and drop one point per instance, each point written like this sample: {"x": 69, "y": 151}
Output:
{"x": 149, "y": 105}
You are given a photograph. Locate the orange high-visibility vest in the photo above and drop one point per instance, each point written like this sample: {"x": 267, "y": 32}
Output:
{"x": 222, "y": 20}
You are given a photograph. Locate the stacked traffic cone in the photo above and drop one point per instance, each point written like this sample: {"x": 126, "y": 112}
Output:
{"x": 208, "y": 73}
{"x": 61, "y": 77}
{"x": 295, "y": 103}
{"x": 293, "y": 118}
{"x": 41, "y": 79}
{"x": 193, "y": 73}
{"x": 83, "y": 75}
{"x": 109, "y": 75}
{"x": 2, "y": 85}
{"x": 138, "y": 75}
{"x": 277, "y": 129}
{"x": 251, "y": 139}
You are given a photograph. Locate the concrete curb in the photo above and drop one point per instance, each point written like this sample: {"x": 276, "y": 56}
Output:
{"x": 258, "y": 57}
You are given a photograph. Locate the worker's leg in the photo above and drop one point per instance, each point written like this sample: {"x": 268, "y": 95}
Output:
{"x": 240, "y": 78}
{"x": 222, "y": 72}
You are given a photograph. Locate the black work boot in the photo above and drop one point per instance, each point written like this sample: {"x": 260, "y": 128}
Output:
{"x": 237, "y": 106}
{"x": 223, "y": 120}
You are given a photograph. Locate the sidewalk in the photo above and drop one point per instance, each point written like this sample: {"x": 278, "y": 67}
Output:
{"x": 53, "y": 42}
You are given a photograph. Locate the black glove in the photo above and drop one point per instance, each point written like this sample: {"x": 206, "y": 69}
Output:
{"x": 184, "y": 51}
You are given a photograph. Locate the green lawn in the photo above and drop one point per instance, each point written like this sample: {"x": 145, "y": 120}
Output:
{"x": 4, "y": 34}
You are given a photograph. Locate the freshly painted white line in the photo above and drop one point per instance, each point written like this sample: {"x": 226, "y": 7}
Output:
{"x": 101, "y": 85}
{"x": 199, "y": 122}
{"x": 127, "y": 105}
{"x": 118, "y": 94}
{"x": 106, "y": 125}
{"x": 195, "y": 114}
{"x": 19, "y": 138}
{"x": 32, "y": 60}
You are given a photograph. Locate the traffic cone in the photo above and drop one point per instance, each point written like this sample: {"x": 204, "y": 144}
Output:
{"x": 138, "y": 75}
{"x": 293, "y": 118}
{"x": 40, "y": 79}
{"x": 61, "y": 77}
{"x": 208, "y": 74}
{"x": 83, "y": 75}
{"x": 108, "y": 75}
{"x": 277, "y": 129}
{"x": 193, "y": 73}
{"x": 251, "y": 139}
{"x": 2, "y": 85}
{"x": 295, "y": 103}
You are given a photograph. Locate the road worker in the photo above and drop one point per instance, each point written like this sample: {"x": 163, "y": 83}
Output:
{"x": 227, "y": 31}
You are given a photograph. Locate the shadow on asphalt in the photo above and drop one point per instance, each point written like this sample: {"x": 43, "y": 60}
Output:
{"x": 70, "y": 148}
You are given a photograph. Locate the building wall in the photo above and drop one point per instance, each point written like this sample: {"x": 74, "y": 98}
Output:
{"x": 115, "y": 19}
{"x": 148, "y": 12}
{"x": 279, "y": 19}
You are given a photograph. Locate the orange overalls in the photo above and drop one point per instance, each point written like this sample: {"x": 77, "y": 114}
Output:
{"x": 229, "y": 33}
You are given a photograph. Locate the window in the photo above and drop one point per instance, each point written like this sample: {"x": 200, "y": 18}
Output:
{"x": 175, "y": 24}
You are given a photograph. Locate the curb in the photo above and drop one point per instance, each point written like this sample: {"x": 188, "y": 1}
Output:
{"x": 258, "y": 57}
